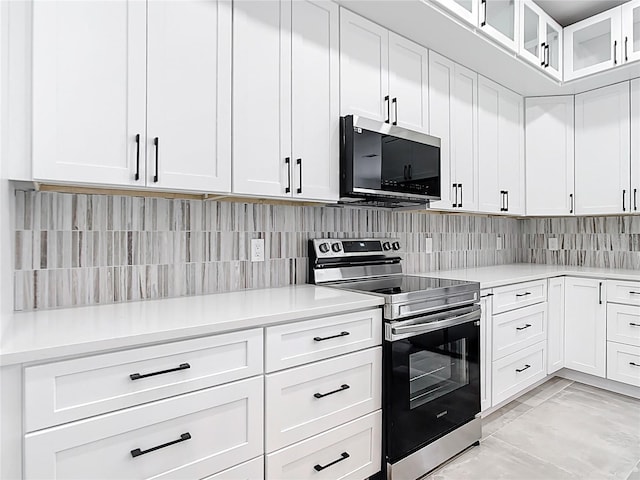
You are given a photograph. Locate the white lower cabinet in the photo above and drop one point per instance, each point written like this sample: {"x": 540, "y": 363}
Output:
{"x": 485, "y": 348}
{"x": 512, "y": 331}
{"x": 517, "y": 371}
{"x": 555, "y": 324}
{"x": 251, "y": 470}
{"x": 623, "y": 363}
{"x": 350, "y": 451}
{"x": 188, "y": 436}
{"x": 623, "y": 324}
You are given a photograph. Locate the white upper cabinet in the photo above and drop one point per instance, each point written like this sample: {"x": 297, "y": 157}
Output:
{"x": 189, "y": 95}
{"x": 602, "y": 151}
{"x": 465, "y": 9}
{"x": 511, "y": 154}
{"x": 540, "y": 39}
{"x": 549, "y": 155}
{"x": 635, "y": 146}
{"x": 631, "y": 31}
{"x": 286, "y": 126}
{"x": 89, "y": 73}
{"x": 500, "y": 20}
{"x": 593, "y": 45}
{"x": 383, "y": 76}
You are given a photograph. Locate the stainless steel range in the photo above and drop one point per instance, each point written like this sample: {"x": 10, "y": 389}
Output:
{"x": 431, "y": 373}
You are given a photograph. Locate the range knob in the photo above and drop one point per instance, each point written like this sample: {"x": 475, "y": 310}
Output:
{"x": 396, "y": 245}
{"x": 386, "y": 246}
{"x": 336, "y": 247}
{"x": 324, "y": 247}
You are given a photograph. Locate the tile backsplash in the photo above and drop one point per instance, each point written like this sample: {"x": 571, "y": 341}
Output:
{"x": 76, "y": 249}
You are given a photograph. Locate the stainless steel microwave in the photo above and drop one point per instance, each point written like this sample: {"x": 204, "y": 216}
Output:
{"x": 385, "y": 163}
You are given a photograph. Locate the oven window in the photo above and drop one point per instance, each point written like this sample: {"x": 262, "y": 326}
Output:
{"x": 437, "y": 372}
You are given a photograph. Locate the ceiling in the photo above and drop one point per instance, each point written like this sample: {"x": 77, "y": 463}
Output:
{"x": 566, "y": 12}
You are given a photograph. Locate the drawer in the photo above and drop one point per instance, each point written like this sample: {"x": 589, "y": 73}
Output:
{"x": 351, "y": 451}
{"x": 619, "y": 291}
{"x": 65, "y": 391}
{"x": 623, "y": 363}
{"x": 251, "y": 470}
{"x": 623, "y": 324}
{"x": 519, "y": 295}
{"x": 304, "y": 342}
{"x": 198, "y": 433}
{"x": 516, "y": 372}
{"x": 514, "y": 330}
{"x": 313, "y": 398}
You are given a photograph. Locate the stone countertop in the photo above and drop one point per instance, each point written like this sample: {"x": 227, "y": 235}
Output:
{"x": 49, "y": 334}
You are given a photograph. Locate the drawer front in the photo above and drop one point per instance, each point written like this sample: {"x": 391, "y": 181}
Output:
{"x": 224, "y": 424}
{"x": 619, "y": 291}
{"x": 514, "y": 330}
{"x": 65, "y": 391}
{"x": 251, "y": 470}
{"x": 313, "y": 398}
{"x": 516, "y": 372}
{"x": 349, "y": 452}
{"x": 623, "y": 324}
{"x": 519, "y": 295}
{"x": 304, "y": 342}
{"x": 623, "y": 363}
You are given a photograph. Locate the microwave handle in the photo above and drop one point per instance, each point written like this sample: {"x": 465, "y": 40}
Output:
{"x": 427, "y": 327}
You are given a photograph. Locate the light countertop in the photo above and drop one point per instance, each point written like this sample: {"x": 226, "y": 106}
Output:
{"x": 500, "y": 275}
{"x": 50, "y": 334}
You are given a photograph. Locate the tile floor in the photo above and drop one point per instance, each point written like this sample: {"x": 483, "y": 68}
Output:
{"x": 562, "y": 429}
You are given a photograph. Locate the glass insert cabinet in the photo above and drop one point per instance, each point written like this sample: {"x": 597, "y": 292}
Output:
{"x": 540, "y": 39}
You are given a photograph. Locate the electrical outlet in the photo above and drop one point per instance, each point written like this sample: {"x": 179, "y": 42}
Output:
{"x": 428, "y": 245}
{"x": 500, "y": 243}
{"x": 257, "y": 250}
{"x": 553, "y": 244}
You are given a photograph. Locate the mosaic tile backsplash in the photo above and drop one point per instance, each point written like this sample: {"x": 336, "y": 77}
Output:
{"x": 74, "y": 249}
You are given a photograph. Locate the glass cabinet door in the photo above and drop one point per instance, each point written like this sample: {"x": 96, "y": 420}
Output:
{"x": 531, "y": 47}
{"x": 631, "y": 31}
{"x": 498, "y": 20}
{"x": 552, "y": 36}
{"x": 465, "y": 9}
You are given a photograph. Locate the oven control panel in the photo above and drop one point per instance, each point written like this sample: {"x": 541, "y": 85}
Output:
{"x": 329, "y": 247}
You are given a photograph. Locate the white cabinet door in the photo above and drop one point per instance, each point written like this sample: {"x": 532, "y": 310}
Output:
{"x": 315, "y": 100}
{"x": 408, "y": 84}
{"x": 490, "y": 198}
{"x": 262, "y": 109}
{"x": 89, "y": 73}
{"x": 549, "y": 155}
{"x": 465, "y": 9}
{"x": 635, "y": 146}
{"x": 486, "y": 354}
{"x": 189, "y": 95}
{"x": 593, "y": 45}
{"x": 553, "y": 44}
{"x": 364, "y": 66}
{"x": 499, "y": 20}
{"x": 555, "y": 325}
{"x": 532, "y": 47}
{"x": 585, "y": 325}
{"x": 603, "y": 150}
{"x": 631, "y": 31}
{"x": 511, "y": 151}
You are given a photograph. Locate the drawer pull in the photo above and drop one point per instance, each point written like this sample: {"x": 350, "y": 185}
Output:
{"x": 631, "y": 324}
{"x": 523, "y": 369}
{"x": 343, "y": 456}
{"x": 634, "y": 364}
{"x": 523, "y": 294}
{"x": 342, "y": 388}
{"x": 137, "y": 452}
{"x": 137, "y": 376}
{"x": 526, "y": 325}
{"x": 322, "y": 339}
{"x": 487, "y": 295}
{"x": 634, "y": 293}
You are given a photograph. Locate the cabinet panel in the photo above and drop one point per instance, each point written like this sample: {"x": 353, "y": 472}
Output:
{"x": 555, "y": 325}
{"x": 189, "y": 95}
{"x": 531, "y": 43}
{"x": 620, "y": 291}
{"x": 549, "y": 155}
{"x": 511, "y": 151}
{"x": 499, "y": 20}
{"x": 489, "y": 195}
{"x": 515, "y": 330}
{"x": 602, "y": 132}
{"x": 251, "y": 470}
{"x": 261, "y": 110}
{"x": 408, "y": 83}
{"x": 623, "y": 363}
{"x": 516, "y": 372}
{"x": 315, "y": 100}
{"x": 465, "y": 9}
{"x": 364, "y": 65}
{"x": 635, "y": 144}
{"x": 623, "y": 324}
{"x": 519, "y": 295}
{"x": 585, "y": 325}
{"x": 631, "y": 31}
{"x": 486, "y": 353}
{"x": 89, "y": 74}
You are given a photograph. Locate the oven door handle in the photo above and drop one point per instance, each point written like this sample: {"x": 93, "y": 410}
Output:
{"x": 401, "y": 331}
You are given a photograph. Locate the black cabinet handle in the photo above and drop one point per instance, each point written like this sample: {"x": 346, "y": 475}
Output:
{"x": 395, "y": 107}
{"x": 506, "y": 194}
{"x": 615, "y": 52}
{"x": 322, "y": 339}
{"x": 502, "y": 207}
{"x": 544, "y": 53}
{"x": 341, "y": 389}
{"x": 137, "y": 376}
{"x": 343, "y": 456}
{"x": 487, "y": 295}
{"x": 634, "y": 364}
{"x": 287, "y": 162}
{"x": 523, "y": 294}
{"x": 299, "y": 162}
{"x": 136, "y": 177}
{"x": 635, "y": 199}
{"x": 155, "y": 142}
{"x": 624, "y": 200}
{"x": 526, "y": 325}
{"x": 600, "y": 293}
{"x": 136, "y": 452}
{"x": 626, "y": 51}
{"x": 484, "y": 17}
{"x": 455, "y": 202}
{"x": 460, "y": 204}
{"x": 571, "y": 200}
{"x": 631, "y": 324}
{"x": 548, "y": 56}
{"x": 523, "y": 369}
{"x": 634, "y": 293}
{"x": 386, "y": 99}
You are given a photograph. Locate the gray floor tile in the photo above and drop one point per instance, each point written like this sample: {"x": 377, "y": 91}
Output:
{"x": 635, "y": 473}
{"x": 502, "y": 417}
{"x": 545, "y": 391}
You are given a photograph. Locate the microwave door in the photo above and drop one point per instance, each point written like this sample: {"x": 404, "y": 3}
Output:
{"x": 396, "y": 158}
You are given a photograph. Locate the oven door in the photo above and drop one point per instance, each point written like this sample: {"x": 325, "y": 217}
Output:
{"x": 432, "y": 378}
